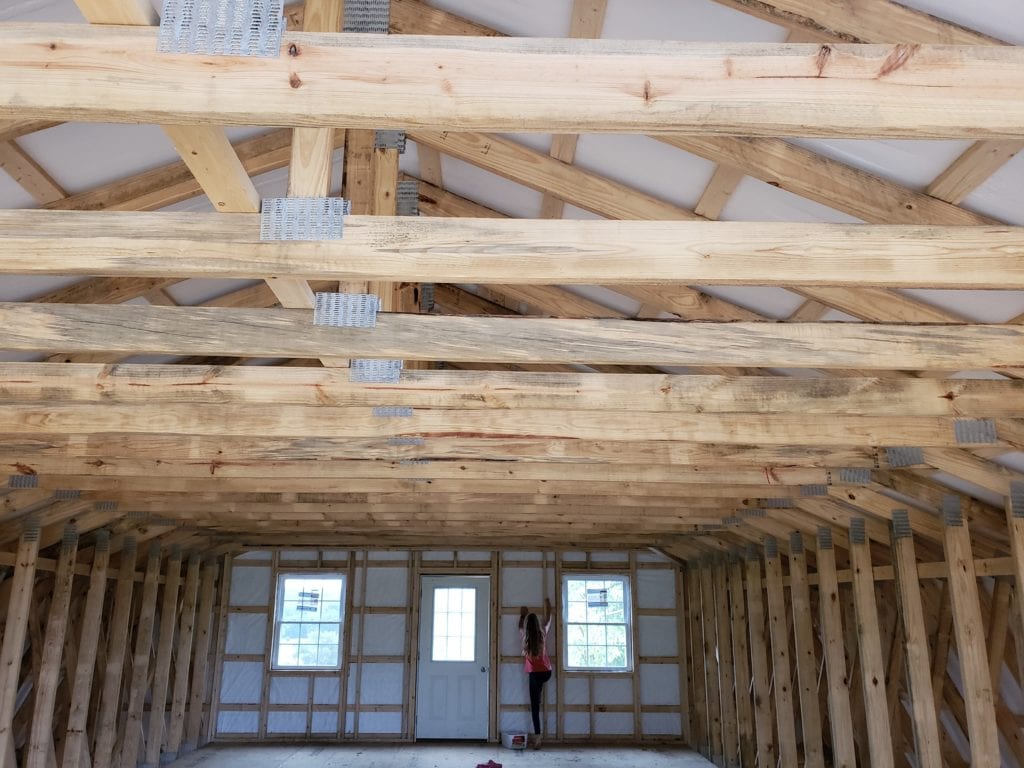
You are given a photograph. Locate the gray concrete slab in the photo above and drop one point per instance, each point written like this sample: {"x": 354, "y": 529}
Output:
{"x": 436, "y": 756}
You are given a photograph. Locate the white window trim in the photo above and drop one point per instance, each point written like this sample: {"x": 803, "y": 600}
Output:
{"x": 627, "y": 596}
{"x": 279, "y": 597}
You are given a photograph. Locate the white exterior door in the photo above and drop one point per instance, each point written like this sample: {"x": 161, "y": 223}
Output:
{"x": 454, "y": 658}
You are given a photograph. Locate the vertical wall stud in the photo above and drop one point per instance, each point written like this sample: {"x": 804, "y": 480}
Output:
{"x": 727, "y": 678}
{"x": 713, "y": 678}
{"x": 76, "y": 748}
{"x": 870, "y": 644}
{"x": 114, "y": 666}
{"x": 140, "y": 661}
{"x": 919, "y": 677}
{"x": 182, "y": 659}
{"x": 763, "y": 727}
{"x": 162, "y": 665}
{"x": 970, "y": 637}
{"x": 698, "y": 676}
{"x": 779, "y": 631}
{"x": 806, "y": 663}
{"x": 843, "y": 750}
{"x": 200, "y": 658}
{"x": 741, "y": 664}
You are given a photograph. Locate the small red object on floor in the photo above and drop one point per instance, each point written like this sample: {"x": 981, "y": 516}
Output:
{"x": 489, "y": 764}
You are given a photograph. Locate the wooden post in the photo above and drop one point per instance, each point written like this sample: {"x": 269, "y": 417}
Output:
{"x": 201, "y": 656}
{"x": 76, "y": 745}
{"x": 182, "y": 659}
{"x": 759, "y": 662}
{"x": 870, "y": 644}
{"x": 40, "y": 745}
{"x": 698, "y": 700}
{"x": 117, "y": 644}
{"x": 741, "y": 664}
{"x": 970, "y": 637}
{"x": 15, "y": 629}
{"x": 162, "y": 666}
{"x": 727, "y": 678}
{"x": 806, "y": 663}
{"x": 140, "y": 661}
{"x": 1015, "y": 523}
{"x": 713, "y": 683}
{"x": 843, "y": 751}
{"x": 919, "y": 677}
{"x": 785, "y": 718}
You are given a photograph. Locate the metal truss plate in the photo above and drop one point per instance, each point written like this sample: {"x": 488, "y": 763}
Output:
{"x": 796, "y": 543}
{"x": 777, "y": 503}
{"x": 367, "y": 16}
{"x": 952, "y": 510}
{"x": 814, "y": 490}
{"x": 66, "y": 494}
{"x": 858, "y": 533}
{"x": 23, "y": 481}
{"x": 414, "y": 441}
{"x": 303, "y": 218}
{"x": 222, "y": 27}
{"x": 407, "y": 198}
{"x": 825, "y": 538}
{"x": 391, "y": 140}
{"x": 974, "y": 431}
{"x": 855, "y": 475}
{"x": 392, "y": 412}
{"x": 901, "y": 524}
{"x": 1017, "y": 499}
{"x": 375, "y": 371}
{"x": 346, "y": 310}
{"x": 904, "y": 456}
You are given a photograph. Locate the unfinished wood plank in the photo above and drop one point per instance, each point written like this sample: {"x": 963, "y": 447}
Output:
{"x": 516, "y": 251}
{"x": 138, "y": 685}
{"x": 76, "y": 743}
{"x": 200, "y": 658}
{"x": 972, "y": 169}
{"x": 713, "y": 682}
{"x": 162, "y": 663}
{"x": 39, "y": 753}
{"x": 114, "y": 662}
{"x": 870, "y": 647}
{"x": 741, "y": 664}
{"x": 979, "y": 701}
{"x": 698, "y": 662}
{"x": 779, "y": 633}
{"x": 19, "y": 607}
{"x": 127, "y": 384}
{"x": 629, "y": 88}
{"x": 918, "y": 665}
{"x": 28, "y": 174}
{"x": 763, "y": 722}
{"x": 806, "y": 663}
{"x": 839, "y": 714}
{"x": 290, "y": 333}
{"x": 726, "y": 665}
{"x": 718, "y": 191}
{"x": 182, "y": 660}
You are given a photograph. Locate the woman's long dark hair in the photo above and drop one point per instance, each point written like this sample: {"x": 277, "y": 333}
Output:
{"x": 533, "y": 638}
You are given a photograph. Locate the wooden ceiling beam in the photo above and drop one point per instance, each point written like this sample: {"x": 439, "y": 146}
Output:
{"x": 622, "y": 426}
{"x": 672, "y": 87}
{"x": 516, "y": 251}
{"x": 133, "y": 329}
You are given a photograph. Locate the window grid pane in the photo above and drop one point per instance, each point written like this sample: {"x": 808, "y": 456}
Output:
{"x": 597, "y": 623}
{"x": 309, "y": 616}
{"x": 454, "y": 624}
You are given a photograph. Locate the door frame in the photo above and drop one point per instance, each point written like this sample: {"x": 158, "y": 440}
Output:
{"x": 493, "y": 575}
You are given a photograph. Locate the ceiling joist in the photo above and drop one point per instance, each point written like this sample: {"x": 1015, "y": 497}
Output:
{"x": 498, "y": 84}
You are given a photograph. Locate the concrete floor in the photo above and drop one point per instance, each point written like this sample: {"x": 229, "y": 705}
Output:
{"x": 436, "y": 756}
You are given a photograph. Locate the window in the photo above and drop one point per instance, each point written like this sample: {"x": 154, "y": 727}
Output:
{"x": 597, "y": 623}
{"x": 454, "y": 624}
{"x": 307, "y": 630}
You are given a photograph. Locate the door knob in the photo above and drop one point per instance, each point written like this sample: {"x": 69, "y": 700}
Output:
{"x": 483, "y": 669}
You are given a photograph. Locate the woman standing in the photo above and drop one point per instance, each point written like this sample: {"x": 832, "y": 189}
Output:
{"x": 536, "y": 661}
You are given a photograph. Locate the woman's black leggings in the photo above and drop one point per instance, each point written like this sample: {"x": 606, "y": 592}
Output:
{"x": 537, "y": 680}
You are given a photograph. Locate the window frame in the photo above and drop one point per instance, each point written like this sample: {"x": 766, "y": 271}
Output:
{"x": 304, "y": 574}
{"x": 627, "y": 599}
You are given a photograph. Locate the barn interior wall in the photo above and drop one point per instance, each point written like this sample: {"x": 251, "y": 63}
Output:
{"x": 256, "y": 702}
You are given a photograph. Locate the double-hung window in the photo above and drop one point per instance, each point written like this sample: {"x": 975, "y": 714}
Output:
{"x": 598, "y": 620}
{"x": 308, "y": 621}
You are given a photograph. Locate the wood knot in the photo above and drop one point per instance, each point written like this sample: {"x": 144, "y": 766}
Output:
{"x": 293, "y": 50}
{"x": 295, "y": 81}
